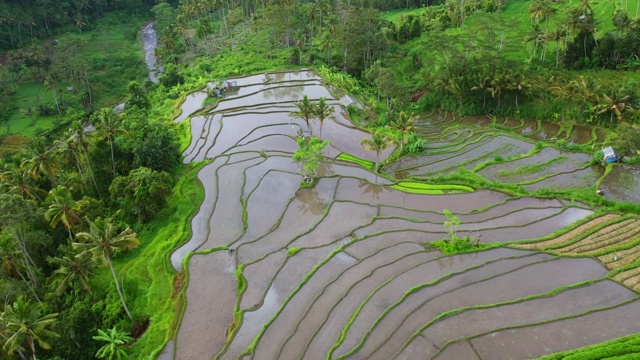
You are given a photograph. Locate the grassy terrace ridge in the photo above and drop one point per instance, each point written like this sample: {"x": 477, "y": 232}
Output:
{"x": 421, "y": 188}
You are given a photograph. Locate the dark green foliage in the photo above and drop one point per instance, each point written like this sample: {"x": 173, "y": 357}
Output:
{"x": 171, "y": 76}
{"x": 142, "y": 193}
{"x": 158, "y": 148}
{"x": 137, "y": 96}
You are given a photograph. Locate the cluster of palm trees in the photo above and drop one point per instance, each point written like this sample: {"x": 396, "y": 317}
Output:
{"x": 308, "y": 110}
{"x": 23, "y": 176}
{"x": 64, "y": 168}
{"x": 398, "y": 132}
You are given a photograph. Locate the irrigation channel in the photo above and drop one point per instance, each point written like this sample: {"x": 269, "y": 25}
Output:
{"x": 340, "y": 270}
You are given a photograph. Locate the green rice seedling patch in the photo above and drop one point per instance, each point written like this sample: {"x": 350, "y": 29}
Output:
{"x": 627, "y": 347}
{"x": 434, "y": 189}
{"x": 350, "y": 158}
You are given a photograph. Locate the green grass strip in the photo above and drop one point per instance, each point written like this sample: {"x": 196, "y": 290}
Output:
{"x": 610, "y": 349}
{"x": 415, "y": 187}
{"x": 356, "y": 160}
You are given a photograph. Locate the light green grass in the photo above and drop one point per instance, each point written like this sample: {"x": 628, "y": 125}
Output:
{"x": 350, "y": 158}
{"x": 433, "y": 189}
{"x": 395, "y": 14}
{"x": 149, "y": 266}
{"x": 628, "y": 345}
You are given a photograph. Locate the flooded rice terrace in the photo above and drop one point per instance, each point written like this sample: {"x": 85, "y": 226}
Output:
{"x": 340, "y": 270}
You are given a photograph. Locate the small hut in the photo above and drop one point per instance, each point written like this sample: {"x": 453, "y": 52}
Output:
{"x": 610, "y": 155}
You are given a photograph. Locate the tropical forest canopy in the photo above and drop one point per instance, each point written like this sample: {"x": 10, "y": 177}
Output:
{"x": 80, "y": 194}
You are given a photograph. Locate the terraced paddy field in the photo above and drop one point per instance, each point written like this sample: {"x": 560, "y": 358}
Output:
{"x": 344, "y": 269}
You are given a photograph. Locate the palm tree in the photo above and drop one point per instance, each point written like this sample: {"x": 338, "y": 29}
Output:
{"x": 102, "y": 242}
{"x": 69, "y": 149}
{"x": 614, "y": 104}
{"x": 536, "y": 37}
{"x": 72, "y": 270}
{"x": 43, "y": 162}
{"x": 376, "y": 143}
{"x": 81, "y": 138}
{"x": 109, "y": 126}
{"x": 19, "y": 183}
{"x": 113, "y": 349}
{"x": 13, "y": 263}
{"x": 558, "y": 34}
{"x": 403, "y": 124}
{"x": 26, "y": 325}
{"x": 305, "y": 111}
{"x": 62, "y": 208}
{"x": 322, "y": 110}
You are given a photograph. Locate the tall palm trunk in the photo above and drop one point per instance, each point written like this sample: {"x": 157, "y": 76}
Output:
{"x": 115, "y": 278}
{"x": 86, "y": 156}
{"x": 113, "y": 161}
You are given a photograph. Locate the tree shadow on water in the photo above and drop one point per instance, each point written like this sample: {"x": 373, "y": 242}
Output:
{"x": 311, "y": 202}
{"x": 373, "y": 189}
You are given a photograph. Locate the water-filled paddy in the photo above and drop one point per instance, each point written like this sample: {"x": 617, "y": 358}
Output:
{"x": 341, "y": 269}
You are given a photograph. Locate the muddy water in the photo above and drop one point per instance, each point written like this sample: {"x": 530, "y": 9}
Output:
{"x": 149, "y": 39}
{"x": 623, "y": 184}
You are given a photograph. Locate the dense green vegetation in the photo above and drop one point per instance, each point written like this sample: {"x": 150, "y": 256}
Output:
{"x": 569, "y": 62}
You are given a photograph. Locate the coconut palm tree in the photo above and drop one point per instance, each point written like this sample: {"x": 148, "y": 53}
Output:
{"x": 377, "y": 143}
{"x": 44, "y": 161}
{"x": 27, "y": 324}
{"x": 63, "y": 208}
{"x": 305, "y": 111}
{"x": 81, "y": 137}
{"x": 614, "y": 104}
{"x": 109, "y": 125}
{"x": 102, "y": 242}
{"x": 321, "y": 111}
{"x": 115, "y": 340}
{"x": 72, "y": 270}
{"x": 20, "y": 183}
{"x": 403, "y": 124}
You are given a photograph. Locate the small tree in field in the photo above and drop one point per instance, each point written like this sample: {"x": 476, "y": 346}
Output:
{"x": 309, "y": 155}
{"x": 455, "y": 244}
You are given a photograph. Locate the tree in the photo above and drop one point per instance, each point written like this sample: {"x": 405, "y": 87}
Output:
{"x": 63, "y": 208}
{"x": 376, "y": 143}
{"x": 27, "y": 324}
{"x": 305, "y": 111}
{"x": 309, "y": 154}
{"x": 156, "y": 147}
{"x": 80, "y": 137}
{"x": 115, "y": 340}
{"x": 109, "y": 125}
{"x": 72, "y": 271}
{"x": 614, "y": 104}
{"x": 17, "y": 217}
{"x": 142, "y": 193}
{"x": 43, "y": 161}
{"x": 322, "y": 111}
{"x": 102, "y": 242}
{"x": 403, "y": 124}
{"x": 137, "y": 96}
